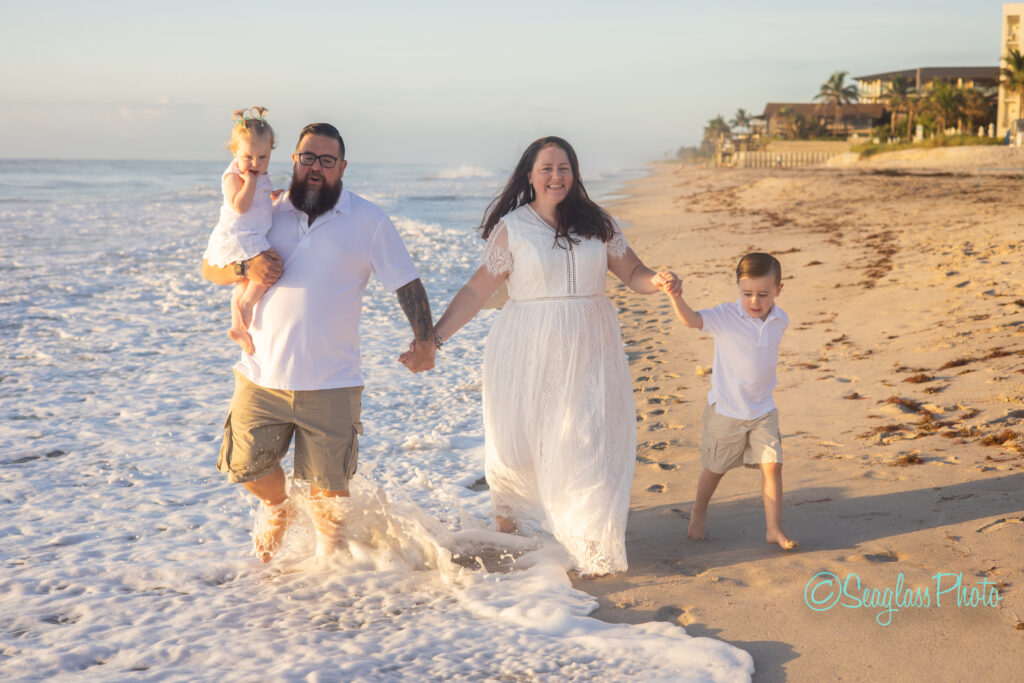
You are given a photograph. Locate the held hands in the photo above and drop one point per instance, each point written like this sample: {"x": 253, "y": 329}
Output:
{"x": 265, "y": 268}
{"x": 668, "y": 282}
{"x": 419, "y": 357}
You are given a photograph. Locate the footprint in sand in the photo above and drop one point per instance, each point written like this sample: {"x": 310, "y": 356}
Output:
{"x": 668, "y": 613}
{"x": 657, "y": 411}
{"x": 999, "y": 524}
{"x": 656, "y": 488}
{"x": 887, "y": 556}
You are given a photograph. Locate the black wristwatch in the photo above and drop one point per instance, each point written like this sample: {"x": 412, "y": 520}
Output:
{"x": 239, "y": 268}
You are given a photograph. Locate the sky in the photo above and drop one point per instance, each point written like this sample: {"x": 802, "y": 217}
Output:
{"x": 450, "y": 82}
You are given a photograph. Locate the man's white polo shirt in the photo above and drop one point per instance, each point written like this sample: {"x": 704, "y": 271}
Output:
{"x": 306, "y": 327}
{"x": 746, "y": 354}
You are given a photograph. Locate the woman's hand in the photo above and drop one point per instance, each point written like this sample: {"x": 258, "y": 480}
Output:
{"x": 668, "y": 282}
{"x": 419, "y": 357}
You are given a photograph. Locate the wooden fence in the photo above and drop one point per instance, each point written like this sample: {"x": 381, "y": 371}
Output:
{"x": 778, "y": 159}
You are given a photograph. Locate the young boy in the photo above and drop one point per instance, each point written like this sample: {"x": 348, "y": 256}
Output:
{"x": 741, "y": 424}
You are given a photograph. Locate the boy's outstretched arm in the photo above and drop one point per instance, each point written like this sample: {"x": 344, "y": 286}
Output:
{"x": 690, "y": 317}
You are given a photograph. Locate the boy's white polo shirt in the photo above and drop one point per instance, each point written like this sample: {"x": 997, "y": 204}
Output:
{"x": 306, "y": 327}
{"x": 746, "y": 355}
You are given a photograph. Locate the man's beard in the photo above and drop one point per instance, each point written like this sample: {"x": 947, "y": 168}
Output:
{"x": 313, "y": 199}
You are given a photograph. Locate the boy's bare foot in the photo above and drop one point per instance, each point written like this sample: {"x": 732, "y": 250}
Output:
{"x": 242, "y": 338}
{"x": 268, "y": 534}
{"x": 695, "y": 531}
{"x": 784, "y": 541}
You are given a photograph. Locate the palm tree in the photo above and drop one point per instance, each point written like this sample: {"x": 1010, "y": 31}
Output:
{"x": 795, "y": 124}
{"x": 946, "y": 102}
{"x": 978, "y": 106}
{"x": 741, "y": 119}
{"x": 899, "y": 94}
{"x": 1012, "y": 77}
{"x": 717, "y": 130}
{"x": 836, "y": 92}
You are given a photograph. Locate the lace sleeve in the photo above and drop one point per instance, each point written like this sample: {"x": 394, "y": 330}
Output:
{"x": 497, "y": 257}
{"x": 617, "y": 245}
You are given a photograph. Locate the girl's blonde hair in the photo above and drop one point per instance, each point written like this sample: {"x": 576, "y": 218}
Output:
{"x": 250, "y": 123}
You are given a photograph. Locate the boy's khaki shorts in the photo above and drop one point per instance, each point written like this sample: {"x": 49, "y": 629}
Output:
{"x": 726, "y": 442}
{"x": 261, "y": 423}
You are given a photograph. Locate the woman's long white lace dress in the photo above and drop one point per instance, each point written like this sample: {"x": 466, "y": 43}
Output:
{"x": 559, "y": 416}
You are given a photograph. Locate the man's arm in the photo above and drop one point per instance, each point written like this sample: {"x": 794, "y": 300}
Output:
{"x": 264, "y": 269}
{"x": 413, "y": 298}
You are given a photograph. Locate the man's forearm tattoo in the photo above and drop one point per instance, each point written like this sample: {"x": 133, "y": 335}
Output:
{"x": 413, "y": 298}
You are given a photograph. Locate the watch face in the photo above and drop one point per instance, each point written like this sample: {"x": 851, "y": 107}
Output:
{"x": 239, "y": 267}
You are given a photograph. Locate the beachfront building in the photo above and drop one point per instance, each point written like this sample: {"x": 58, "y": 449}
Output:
{"x": 874, "y": 89}
{"x": 784, "y": 119}
{"x": 1009, "y": 107}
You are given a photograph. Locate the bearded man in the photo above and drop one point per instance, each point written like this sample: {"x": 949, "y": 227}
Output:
{"x": 303, "y": 379}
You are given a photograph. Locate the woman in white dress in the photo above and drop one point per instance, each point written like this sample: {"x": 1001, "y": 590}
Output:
{"x": 559, "y": 416}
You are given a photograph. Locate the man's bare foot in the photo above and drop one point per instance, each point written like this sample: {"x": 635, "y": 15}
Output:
{"x": 784, "y": 541}
{"x": 268, "y": 534}
{"x": 329, "y": 515}
{"x": 506, "y": 525}
{"x": 242, "y": 338}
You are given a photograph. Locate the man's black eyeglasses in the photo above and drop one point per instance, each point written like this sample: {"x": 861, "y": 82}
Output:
{"x": 326, "y": 160}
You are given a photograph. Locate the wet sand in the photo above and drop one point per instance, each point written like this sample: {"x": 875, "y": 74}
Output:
{"x": 901, "y": 396}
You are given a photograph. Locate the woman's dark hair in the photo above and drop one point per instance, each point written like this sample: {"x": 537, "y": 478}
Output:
{"x": 577, "y": 213}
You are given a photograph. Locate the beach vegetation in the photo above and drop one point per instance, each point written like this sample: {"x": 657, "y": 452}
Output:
{"x": 695, "y": 153}
{"x": 868, "y": 149}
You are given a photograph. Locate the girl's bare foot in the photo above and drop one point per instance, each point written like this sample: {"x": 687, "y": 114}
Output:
{"x": 784, "y": 541}
{"x": 268, "y": 534}
{"x": 242, "y": 338}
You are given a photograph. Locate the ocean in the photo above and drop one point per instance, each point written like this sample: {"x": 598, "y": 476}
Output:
{"x": 126, "y": 555}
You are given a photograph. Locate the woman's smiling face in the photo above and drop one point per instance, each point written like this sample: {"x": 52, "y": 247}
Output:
{"x": 551, "y": 176}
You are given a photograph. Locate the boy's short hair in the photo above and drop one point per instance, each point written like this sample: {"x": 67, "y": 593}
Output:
{"x": 759, "y": 265}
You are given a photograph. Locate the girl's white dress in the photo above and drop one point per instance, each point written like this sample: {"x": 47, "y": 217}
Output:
{"x": 559, "y": 415}
{"x": 239, "y": 237}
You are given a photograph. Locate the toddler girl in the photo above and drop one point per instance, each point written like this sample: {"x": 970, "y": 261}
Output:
{"x": 245, "y": 215}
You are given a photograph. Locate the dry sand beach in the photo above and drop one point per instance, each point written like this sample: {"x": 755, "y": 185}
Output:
{"x": 901, "y": 396}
